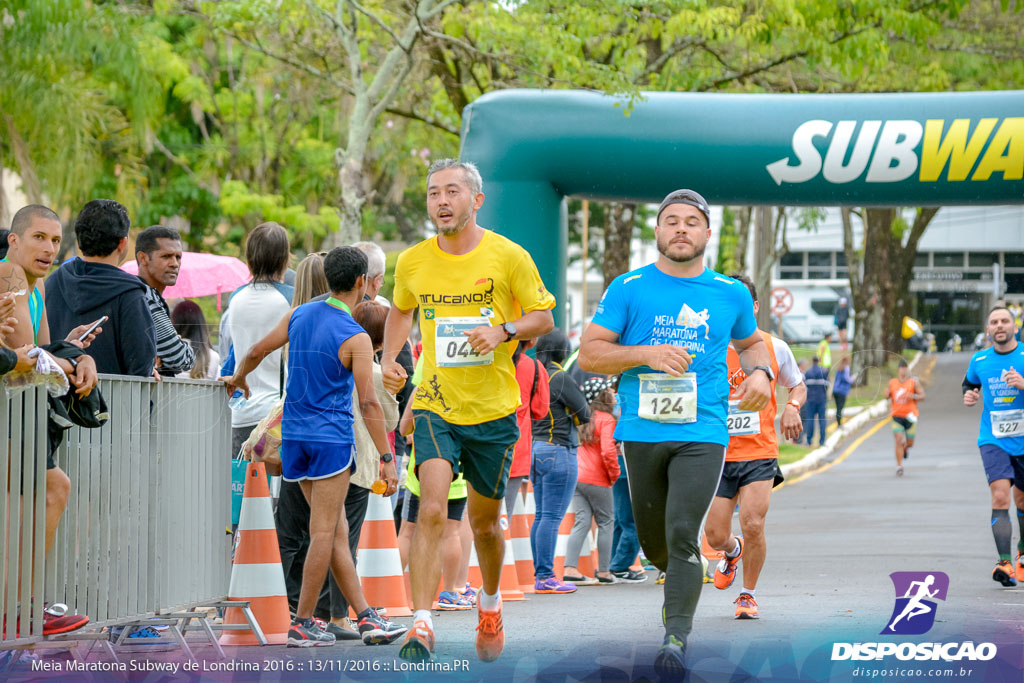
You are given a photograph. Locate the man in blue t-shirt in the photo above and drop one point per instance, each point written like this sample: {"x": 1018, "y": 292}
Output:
{"x": 994, "y": 377}
{"x": 328, "y": 354}
{"x": 666, "y": 328}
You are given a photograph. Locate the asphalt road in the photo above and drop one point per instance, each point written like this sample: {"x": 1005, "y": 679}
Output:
{"x": 834, "y": 538}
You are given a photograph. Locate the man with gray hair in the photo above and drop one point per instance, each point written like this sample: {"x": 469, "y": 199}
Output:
{"x": 478, "y": 293}
{"x": 375, "y": 268}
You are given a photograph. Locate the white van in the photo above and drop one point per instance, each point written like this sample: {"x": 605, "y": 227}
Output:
{"x": 813, "y": 313}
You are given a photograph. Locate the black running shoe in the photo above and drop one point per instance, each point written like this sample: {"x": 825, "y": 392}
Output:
{"x": 669, "y": 664}
{"x": 1004, "y": 574}
{"x": 341, "y": 632}
{"x": 302, "y": 635}
{"x": 376, "y": 630}
{"x": 630, "y": 576}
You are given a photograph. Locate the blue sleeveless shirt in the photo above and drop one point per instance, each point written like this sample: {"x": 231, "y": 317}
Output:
{"x": 318, "y": 398}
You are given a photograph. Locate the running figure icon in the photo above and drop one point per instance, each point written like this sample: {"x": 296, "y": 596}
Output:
{"x": 915, "y": 607}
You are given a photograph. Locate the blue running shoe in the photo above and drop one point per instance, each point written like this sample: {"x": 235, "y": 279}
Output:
{"x": 450, "y": 601}
{"x": 669, "y": 664}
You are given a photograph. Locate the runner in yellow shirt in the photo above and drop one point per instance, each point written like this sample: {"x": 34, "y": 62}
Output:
{"x": 477, "y": 293}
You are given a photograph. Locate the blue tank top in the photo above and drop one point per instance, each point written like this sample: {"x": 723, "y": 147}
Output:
{"x": 35, "y": 309}
{"x": 318, "y": 395}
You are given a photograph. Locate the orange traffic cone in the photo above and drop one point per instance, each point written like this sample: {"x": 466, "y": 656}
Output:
{"x": 509, "y": 574}
{"x": 379, "y": 565}
{"x": 562, "y": 544}
{"x": 587, "y": 565}
{"x": 531, "y": 504}
{"x": 509, "y": 583}
{"x": 257, "y": 575}
{"x": 520, "y": 530}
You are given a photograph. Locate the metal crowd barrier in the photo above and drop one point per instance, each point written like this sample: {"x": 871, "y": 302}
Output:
{"x": 143, "y": 533}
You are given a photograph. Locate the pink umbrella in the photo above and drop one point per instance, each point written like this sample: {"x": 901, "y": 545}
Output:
{"x": 203, "y": 274}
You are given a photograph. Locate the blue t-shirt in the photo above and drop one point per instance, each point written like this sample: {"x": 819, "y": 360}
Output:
{"x": 701, "y": 314}
{"x": 318, "y": 399}
{"x": 987, "y": 368}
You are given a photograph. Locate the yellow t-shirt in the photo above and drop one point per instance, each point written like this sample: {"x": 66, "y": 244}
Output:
{"x": 496, "y": 282}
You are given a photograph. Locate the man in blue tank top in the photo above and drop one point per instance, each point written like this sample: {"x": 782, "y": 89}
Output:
{"x": 328, "y": 354}
{"x": 995, "y": 379}
{"x": 666, "y": 328}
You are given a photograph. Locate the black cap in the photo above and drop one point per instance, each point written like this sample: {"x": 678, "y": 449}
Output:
{"x": 686, "y": 197}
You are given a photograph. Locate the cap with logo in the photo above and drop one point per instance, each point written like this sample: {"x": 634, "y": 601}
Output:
{"x": 686, "y": 197}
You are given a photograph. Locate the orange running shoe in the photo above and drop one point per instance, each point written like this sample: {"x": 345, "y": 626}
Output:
{"x": 725, "y": 572}
{"x": 490, "y": 635}
{"x": 1005, "y": 574}
{"x": 419, "y": 644}
{"x": 1020, "y": 566}
{"x": 746, "y": 606}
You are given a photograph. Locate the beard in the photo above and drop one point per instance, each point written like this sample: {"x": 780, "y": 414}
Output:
{"x": 461, "y": 221}
{"x": 698, "y": 252}
{"x": 1001, "y": 337}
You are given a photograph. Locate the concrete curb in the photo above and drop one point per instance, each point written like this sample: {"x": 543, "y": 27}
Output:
{"x": 817, "y": 457}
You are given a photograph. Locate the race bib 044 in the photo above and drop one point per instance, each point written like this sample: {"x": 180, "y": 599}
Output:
{"x": 664, "y": 398}
{"x": 451, "y": 346}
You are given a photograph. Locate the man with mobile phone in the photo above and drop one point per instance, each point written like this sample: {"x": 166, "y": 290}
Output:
{"x": 84, "y": 290}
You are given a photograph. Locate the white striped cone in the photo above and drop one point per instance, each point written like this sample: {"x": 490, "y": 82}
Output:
{"x": 520, "y": 529}
{"x": 531, "y": 505}
{"x": 380, "y": 565}
{"x": 509, "y": 577}
{"x": 562, "y": 544}
{"x": 586, "y": 564}
{"x": 256, "y": 574}
{"x": 509, "y": 583}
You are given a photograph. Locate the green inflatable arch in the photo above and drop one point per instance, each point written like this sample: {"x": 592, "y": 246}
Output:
{"x": 534, "y": 148}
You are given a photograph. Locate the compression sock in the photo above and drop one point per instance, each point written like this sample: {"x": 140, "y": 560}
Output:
{"x": 1002, "y": 531}
{"x": 1020, "y": 524}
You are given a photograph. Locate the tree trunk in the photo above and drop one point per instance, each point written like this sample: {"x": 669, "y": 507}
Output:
{"x": 743, "y": 215}
{"x": 880, "y": 282}
{"x": 881, "y": 255}
{"x": 617, "y": 237}
{"x": 765, "y": 256}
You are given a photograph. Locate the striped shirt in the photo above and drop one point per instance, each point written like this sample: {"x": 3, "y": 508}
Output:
{"x": 175, "y": 354}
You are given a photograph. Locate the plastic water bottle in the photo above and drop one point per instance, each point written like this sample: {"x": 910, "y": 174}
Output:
{"x": 237, "y": 400}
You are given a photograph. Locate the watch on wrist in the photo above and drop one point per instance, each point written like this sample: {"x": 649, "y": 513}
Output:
{"x": 510, "y": 331}
{"x": 74, "y": 364}
{"x": 794, "y": 403}
{"x": 767, "y": 371}
{"x": 386, "y": 457}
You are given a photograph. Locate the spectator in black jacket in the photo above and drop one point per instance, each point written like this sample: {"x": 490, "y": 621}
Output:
{"x": 158, "y": 253}
{"x": 554, "y": 460}
{"x": 92, "y": 286}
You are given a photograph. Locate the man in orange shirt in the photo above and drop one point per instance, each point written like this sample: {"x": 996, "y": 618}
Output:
{"x": 752, "y": 469}
{"x": 904, "y": 392}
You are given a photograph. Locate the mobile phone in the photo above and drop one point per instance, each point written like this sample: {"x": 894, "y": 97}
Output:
{"x": 93, "y": 327}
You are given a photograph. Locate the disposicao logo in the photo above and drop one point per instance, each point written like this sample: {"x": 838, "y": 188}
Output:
{"x": 916, "y": 592}
{"x": 914, "y": 614}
